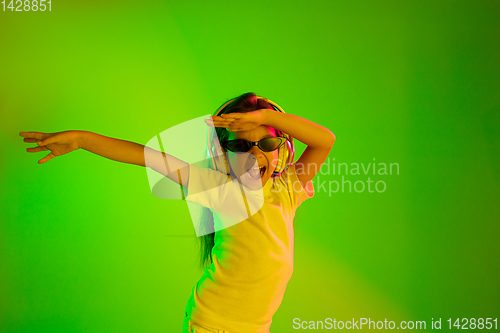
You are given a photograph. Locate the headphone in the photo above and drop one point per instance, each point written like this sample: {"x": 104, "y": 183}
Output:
{"x": 218, "y": 154}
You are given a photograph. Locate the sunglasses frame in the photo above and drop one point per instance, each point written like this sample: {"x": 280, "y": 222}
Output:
{"x": 255, "y": 143}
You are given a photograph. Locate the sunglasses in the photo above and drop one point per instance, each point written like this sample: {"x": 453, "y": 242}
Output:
{"x": 242, "y": 146}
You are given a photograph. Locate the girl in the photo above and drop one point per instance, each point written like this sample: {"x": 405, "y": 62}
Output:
{"x": 249, "y": 262}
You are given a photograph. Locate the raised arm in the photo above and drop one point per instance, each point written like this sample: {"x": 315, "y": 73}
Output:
{"x": 114, "y": 149}
{"x": 319, "y": 140}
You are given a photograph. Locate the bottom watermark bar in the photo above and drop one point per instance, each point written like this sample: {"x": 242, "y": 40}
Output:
{"x": 367, "y": 323}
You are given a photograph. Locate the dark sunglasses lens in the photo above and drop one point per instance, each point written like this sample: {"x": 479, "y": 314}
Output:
{"x": 237, "y": 145}
{"x": 270, "y": 144}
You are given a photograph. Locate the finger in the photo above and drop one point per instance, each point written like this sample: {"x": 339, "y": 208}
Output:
{"x": 29, "y": 140}
{"x": 36, "y": 135}
{"x": 217, "y": 118}
{"x": 223, "y": 122}
{"x": 46, "y": 158}
{"x": 211, "y": 123}
{"x": 36, "y": 149}
{"x": 221, "y": 125}
{"x": 231, "y": 115}
{"x": 47, "y": 141}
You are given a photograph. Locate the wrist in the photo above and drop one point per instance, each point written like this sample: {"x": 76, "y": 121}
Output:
{"x": 267, "y": 117}
{"x": 82, "y": 139}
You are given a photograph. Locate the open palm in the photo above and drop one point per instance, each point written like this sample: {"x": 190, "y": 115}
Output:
{"x": 58, "y": 144}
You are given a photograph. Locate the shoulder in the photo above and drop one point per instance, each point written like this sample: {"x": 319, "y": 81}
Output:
{"x": 205, "y": 185}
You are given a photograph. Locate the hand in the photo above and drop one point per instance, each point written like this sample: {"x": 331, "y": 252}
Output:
{"x": 58, "y": 143}
{"x": 238, "y": 121}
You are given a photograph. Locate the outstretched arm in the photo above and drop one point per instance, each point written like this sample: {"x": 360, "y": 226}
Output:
{"x": 114, "y": 149}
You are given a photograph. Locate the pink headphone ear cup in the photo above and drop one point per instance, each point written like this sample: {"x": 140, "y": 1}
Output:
{"x": 286, "y": 154}
{"x": 291, "y": 151}
{"x": 283, "y": 156}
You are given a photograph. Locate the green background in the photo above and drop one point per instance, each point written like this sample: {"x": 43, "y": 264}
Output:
{"x": 85, "y": 247}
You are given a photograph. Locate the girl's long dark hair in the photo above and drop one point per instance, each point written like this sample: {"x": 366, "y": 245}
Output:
{"x": 244, "y": 103}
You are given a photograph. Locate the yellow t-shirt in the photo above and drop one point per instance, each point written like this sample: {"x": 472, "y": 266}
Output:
{"x": 252, "y": 259}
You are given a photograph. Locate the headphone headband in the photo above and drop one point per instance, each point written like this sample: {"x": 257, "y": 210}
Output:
{"x": 258, "y": 97}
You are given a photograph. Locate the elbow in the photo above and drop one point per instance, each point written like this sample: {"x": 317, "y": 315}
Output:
{"x": 331, "y": 138}
{"x": 326, "y": 141}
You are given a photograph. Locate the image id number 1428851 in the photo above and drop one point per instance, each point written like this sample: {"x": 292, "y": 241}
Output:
{"x": 27, "y": 5}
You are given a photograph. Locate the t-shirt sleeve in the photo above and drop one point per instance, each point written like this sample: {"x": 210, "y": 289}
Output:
{"x": 297, "y": 192}
{"x": 205, "y": 186}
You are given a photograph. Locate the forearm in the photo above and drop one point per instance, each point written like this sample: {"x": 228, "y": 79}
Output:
{"x": 114, "y": 149}
{"x": 307, "y": 132}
